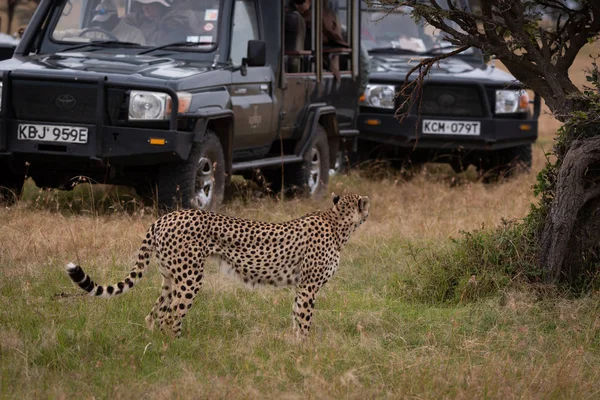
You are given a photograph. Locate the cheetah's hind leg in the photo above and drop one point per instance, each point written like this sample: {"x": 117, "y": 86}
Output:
{"x": 183, "y": 298}
{"x": 162, "y": 303}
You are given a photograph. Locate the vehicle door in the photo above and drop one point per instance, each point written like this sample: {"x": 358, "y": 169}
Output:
{"x": 251, "y": 94}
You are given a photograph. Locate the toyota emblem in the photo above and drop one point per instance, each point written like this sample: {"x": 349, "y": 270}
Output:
{"x": 65, "y": 102}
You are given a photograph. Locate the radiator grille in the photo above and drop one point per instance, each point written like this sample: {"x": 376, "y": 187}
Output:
{"x": 451, "y": 100}
{"x": 54, "y": 101}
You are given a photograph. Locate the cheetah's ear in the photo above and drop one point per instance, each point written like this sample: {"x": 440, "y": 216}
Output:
{"x": 363, "y": 204}
{"x": 335, "y": 198}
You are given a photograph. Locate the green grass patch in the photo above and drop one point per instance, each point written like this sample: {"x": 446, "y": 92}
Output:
{"x": 84, "y": 198}
{"x": 367, "y": 341}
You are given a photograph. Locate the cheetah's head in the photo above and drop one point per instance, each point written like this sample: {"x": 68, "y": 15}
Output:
{"x": 352, "y": 208}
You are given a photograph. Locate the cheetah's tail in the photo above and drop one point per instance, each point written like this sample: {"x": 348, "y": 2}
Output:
{"x": 84, "y": 281}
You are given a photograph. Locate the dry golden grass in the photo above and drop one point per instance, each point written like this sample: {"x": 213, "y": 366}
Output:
{"x": 237, "y": 343}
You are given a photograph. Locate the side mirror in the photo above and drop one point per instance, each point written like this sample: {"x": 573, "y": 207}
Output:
{"x": 257, "y": 53}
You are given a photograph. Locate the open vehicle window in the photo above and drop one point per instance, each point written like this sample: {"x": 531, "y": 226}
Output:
{"x": 335, "y": 37}
{"x": 385, "y": 29}
{"x": 299, "y": 56}
{"x": 146, "y": 23}
{"x": 337, "y": 50}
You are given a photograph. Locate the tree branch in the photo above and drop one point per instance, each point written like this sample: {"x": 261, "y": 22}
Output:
{"x": 509, "y": 29}
{"x": 579, "y": 36}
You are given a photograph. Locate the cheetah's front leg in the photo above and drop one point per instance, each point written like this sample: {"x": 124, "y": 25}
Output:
{"x": 190, "y": 280}
{"x": 303, "y": 310}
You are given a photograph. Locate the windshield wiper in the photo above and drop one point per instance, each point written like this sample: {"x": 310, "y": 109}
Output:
{"x": 392, "y": 50}
{"x": 100, "y": 43}
{"x": 187, "y": 43}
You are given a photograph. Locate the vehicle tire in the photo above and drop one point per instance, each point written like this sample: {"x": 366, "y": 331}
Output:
{"x": 506, "y": 163}
{"x": 308, "y": 178}
{"x": 199, "y": 182}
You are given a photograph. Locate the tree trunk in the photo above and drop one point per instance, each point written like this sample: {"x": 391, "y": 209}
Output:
{"x": 569, "y": 242}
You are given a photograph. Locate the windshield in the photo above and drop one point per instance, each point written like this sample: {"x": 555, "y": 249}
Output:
{"x": 139, "y": 22}
{"x": 397, "y": 32}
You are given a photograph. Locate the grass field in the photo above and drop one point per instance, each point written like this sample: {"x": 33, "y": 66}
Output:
{"x": 369, "y": 338}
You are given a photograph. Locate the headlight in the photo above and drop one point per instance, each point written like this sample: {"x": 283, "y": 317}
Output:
{"x": 511, "y": 101}
{"x": 381, "y": 96}
{"x": 147, "y": 105}
{"x": 155, "y": 105}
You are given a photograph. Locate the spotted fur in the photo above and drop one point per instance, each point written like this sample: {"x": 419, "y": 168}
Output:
{"x": 303, "y": 253}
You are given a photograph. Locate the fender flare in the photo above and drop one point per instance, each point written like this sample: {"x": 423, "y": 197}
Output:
{"x": 314, "y": 115}
{"x": 221, "y": 122}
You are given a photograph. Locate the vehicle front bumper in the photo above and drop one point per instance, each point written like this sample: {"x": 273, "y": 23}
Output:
{"x": 114, "y": 144}
{"x": 495, "y": 133}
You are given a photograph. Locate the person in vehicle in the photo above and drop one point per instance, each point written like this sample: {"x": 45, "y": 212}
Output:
{"x": 295, "y": 26}
{"x": 146, "y": 16}
{"x": 332, "y": 31}
{"x": 165, "y": 21}
{"x": 107, "y": 18}
{"x": 398, "y": 30}
{"x": 295, "y": 34}
{"x": 302, "y": 8}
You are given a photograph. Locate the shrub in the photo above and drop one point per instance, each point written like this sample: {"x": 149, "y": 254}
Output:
{"x": 476, "y": 265}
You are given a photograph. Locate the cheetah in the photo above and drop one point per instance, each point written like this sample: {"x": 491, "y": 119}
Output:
{"x": 303, "y": 253}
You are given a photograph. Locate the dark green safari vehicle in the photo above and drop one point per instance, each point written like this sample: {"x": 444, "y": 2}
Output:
{"x": 468, "y": 112}
{"x": 174, "y": 97}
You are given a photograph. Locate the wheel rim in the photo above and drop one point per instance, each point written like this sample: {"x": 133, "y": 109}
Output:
{"x": 315, "y": 170}
{"x": 205, "y": 183}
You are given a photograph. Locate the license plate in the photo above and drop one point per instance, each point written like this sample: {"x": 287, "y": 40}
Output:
{"x": 53, "y": 133}
{"x": 438, "y": 127}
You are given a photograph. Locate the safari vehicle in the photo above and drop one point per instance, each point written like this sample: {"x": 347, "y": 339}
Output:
{"x": 231, "y": 90}
{"x": 468, "y": 113}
